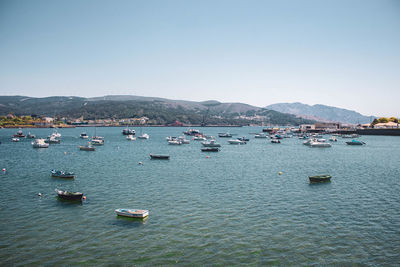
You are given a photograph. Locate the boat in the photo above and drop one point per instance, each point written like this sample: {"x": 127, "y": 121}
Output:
{"x": 224, "y": 135}
{"x": 174, "y": 142}
{"x": 333, "y": 139}
{"x": 308, "y": 142}
{"x": 52, "y": 140}
{"x": 84, "y": 136}
{"x": 88, "y": 147}
{"x": 32, "y": 136}
{"x": 170, "y": 138}
{"x": 183, "y": 140}
{"x": 132, "y": 213}
{"x": 131, "y": 138}
{"x": 211, "y": 143}
{"x": 143, "y": 136}
{"x": 159, "y": 156}
{"x": 192, "y": 132}
{"x": 199, "y": 138}
{"x": 56, "y": 134}
{"x": 319, "y": 178}
{"x": 236, "y": 142}
{"x": 260, "y": 135}
{"x": 277, "y": 136}
{"x": 15, "y": 139}
{"x": 128, "y": 131}
{"x": 355, "y": 143}
{"x": 97, "y": 142}
{"x": 62, "y": 174}
{"x": 275, "y": 141}
{"x": 19, "y": 134}
{"x": 40, "y": 143}
{"x": 244, "y": 138}
{"x": 69, "y": 195}
{"x": 210, "y": 149}
{"x": 319, "y": 144}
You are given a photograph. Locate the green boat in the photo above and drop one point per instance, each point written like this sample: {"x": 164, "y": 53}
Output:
{"x": 320, "y": 178}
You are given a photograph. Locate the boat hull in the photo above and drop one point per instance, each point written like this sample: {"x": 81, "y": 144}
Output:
{"x": 69, "y": 195}
{"x": 320, "y": 179}
{"x": 132, "y": 213}
{"x": 159, "y": 156}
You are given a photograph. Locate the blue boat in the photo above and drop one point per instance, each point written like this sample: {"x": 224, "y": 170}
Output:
{"x": 355, "y": 143}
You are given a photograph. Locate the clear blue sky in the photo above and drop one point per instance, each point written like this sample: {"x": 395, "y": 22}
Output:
{"x": 341, "y": 53}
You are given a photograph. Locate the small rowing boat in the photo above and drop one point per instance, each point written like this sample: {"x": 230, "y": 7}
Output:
{"x": 132, "y": 213}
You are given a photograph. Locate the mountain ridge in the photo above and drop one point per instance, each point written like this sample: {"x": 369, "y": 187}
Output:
{"x": 322, "y": 112}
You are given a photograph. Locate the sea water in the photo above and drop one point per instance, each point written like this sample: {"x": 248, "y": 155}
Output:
{"x": 227, "y": 208}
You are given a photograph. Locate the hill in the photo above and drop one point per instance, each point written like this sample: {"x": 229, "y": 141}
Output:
{"x": 158, "y": 110}
{"x": 322, "y": 113}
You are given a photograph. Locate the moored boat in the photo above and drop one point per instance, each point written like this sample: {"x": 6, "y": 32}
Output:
{"x": 319, "y": 144}
{"x": 319, "y": 178}
{"x": 132, "y": 213}
{"x": 88, "y": 147}
{"x": 210, "y": 149}
{"x": 130, "y": 138}
{"x": 15, "y": 139}
{"x": 143, "y": 136}
{"x": 128, "y": 131}
{"x": 69, "y": 195}
{"x": 97, "y": 142}
{"x": 19, "y": 134}
{"x": 32, "y": 136}
{"x": 62, "y": 174}
{"x": 40, "y": 143}
{"x": 175, "y": 142}
{"x": 224, "y": 135}
{"x": 211, "y": 143}
{"x": 260, "y": 135}
{"x": 52, "y": 140}
{"x": 275, "y": 141}
{"x": 236, "y": 142}
{"x": 84, "y": 136}
{"x": 159, "y": 156}
{"x": 355, "y": 143}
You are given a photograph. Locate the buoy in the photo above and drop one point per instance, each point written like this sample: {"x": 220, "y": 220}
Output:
{"x": 40, "y": 194}
{"x": 4, "y": 169}
{"x": 207, "y": 157}
{"x": 65, "y": 153}
{"x": 140, "y": 163}
{"x": 84, "y": 197}
{"x": 280, "y": 173}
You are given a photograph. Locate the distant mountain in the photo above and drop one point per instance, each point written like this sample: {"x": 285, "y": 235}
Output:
{"x": 158, "y": 110}
{"x": 322, "y": 113}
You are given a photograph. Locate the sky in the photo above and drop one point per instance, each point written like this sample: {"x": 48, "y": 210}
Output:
{"x": 343, "y": 53}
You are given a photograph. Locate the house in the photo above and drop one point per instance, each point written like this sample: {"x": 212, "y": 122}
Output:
{"x": 386, "y": 125}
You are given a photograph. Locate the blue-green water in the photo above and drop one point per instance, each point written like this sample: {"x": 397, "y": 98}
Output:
{"x": 229, "y": 209}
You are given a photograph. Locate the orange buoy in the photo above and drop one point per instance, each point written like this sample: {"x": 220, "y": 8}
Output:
{"x": 84, "y": 197}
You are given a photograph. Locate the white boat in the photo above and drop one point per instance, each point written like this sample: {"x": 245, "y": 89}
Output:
{"x": 84, "y": 136}
{"x": 319, "y": 144}
{"x": 211, "y": 143}
{"x": 15, "y": 139}
{"x": 333, "y": 139}
{"x": 308, "y": 142}
{"x": 236, "y": 142}
{"x": 170, "y": 138}
{"x": 175, "y": 142}
{"x": 97, "y": 142}
{"x": 183, "y": 140}
{"x": 131, "y": 138}
{"x": 56, "y": 134}
{"x": 132, "y": 213}
{"x": 52, "y": 140}
{"x": 260, "y": 135}
{"x": 199, "y": 138}
{"x": 322, "y": 140}
{"x": 144, "y": 136}
{"x": 40, "y": 143}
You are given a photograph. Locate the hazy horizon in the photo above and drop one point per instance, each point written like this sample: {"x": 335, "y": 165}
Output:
{"x": 343, "y": 53}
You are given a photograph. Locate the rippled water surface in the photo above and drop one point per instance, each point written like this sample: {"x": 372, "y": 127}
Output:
{"x": 232, "y": 208}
